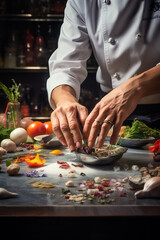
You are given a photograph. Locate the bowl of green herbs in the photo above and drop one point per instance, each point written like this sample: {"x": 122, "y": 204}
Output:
{"x": 137, "y": 135}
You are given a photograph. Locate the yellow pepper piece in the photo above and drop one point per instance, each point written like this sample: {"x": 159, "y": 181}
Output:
{"x": 57, "y": 152}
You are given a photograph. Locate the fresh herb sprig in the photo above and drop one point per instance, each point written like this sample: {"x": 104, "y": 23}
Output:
{"x": 140, "y": 130}
{"x": 12, "y": 93}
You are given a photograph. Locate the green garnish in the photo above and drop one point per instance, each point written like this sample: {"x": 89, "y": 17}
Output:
{"x": 12, "y": 93}
{"x": 5, "y": 133}
{"x": 140, "y": 130}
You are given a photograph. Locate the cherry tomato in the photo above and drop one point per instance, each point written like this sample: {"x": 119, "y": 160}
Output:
{"x": 36, "y": 128}
{"x": 48, "y": 126}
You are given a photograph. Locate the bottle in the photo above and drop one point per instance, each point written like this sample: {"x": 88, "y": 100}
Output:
{"x": 51, "y": 41}
{"x": 28, "y": 46}
{"x": 40, "y": 49}
{"x": 10, "y": 58}
{"x": 25, "y": 111}
{"x": 21, "y": 57}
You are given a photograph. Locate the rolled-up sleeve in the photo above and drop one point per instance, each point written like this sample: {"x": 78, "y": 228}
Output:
{"x": 67, "y": 65}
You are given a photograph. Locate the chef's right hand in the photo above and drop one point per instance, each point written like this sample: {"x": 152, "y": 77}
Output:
{"x": 65, "y": 123}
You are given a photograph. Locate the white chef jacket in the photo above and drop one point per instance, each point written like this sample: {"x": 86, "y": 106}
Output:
{"x": 123, "y": 35}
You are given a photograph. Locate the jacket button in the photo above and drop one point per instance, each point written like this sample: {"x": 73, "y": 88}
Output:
{"x": 138, "y": 36}
{"x": 116, "y": 75}
{"x": 112, "y": 41}
{"x": 107, "y": 1}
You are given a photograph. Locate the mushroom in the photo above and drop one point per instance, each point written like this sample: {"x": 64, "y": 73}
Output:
{"x": 18, "y": 135}
{"x": 13, "y": 169}
{"x": 8, "y": 145}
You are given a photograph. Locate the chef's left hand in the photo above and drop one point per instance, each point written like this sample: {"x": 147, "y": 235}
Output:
{"x": 114, "y": 108}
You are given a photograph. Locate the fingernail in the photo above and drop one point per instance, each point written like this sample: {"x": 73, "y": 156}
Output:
{"x": 78, "y": 144}
{"x": 90, "y": 144}
{"x": 72, "y": 148}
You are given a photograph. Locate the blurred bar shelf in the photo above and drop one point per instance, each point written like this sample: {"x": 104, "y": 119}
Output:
{"x": 31, "y": 18}
{"x": 36, "y": 70}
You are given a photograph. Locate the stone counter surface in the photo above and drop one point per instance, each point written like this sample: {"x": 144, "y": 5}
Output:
{"x": 35, "y": 202}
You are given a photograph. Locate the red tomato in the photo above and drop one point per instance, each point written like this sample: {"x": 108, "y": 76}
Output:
{"x": 36, "y": 128}
{"x": 48, "y": 126}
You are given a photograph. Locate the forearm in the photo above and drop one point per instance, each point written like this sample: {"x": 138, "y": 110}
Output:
{"x": 63, "y": 93}
{"x": 148, "y": 82}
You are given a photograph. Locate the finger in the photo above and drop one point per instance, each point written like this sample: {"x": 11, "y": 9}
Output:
{"x": 74, "y": 125}
{"x": 65, "y": 129}
{"x": 105, "y": 127}
{"x": 89, "y": 121}
{"x": 82, "y": 114}
{"x": 94, "y": 132}
{"x": 95, "y": 128}
{"x": 116, "y": 129}
{"x": 56, "y": 129}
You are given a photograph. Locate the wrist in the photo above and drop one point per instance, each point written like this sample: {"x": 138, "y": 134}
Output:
{"x": 63, "y": 94}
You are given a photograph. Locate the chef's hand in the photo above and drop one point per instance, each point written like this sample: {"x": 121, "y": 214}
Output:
{"x": 64, "y": 117}
{"x": 114, "y": 108}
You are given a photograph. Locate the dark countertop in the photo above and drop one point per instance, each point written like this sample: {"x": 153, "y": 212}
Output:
{"x": 41, "y": 202}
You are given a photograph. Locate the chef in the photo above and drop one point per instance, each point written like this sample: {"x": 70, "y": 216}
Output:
{"x": 124, "y": 37}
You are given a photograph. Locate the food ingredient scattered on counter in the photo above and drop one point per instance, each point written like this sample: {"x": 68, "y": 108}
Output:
{"x": 135, "y": 167}
{"x": 8, "y": 145}
{"x": 57, "y": 152}
{"x": 138, "y": 181}
{"x": 2, "y": 151}
{"x": 63, "y": 165}
{"x": 35, "y": 173}
{"x": 98, "y": 190}
{"x": 155, "y": 149}
{"x": 13, "y": 169}
{"x": 35, "y": 162}
{"x": 151, "y": 189}
{"x": 69, "y": 183}
{"x": 6, "y": 194}
{"x": 41, "y": 184}
{"x": 18, "y": 135}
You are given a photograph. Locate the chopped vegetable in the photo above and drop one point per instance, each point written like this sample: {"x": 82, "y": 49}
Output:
{"x": 63, "y": 165}
{"x": 156, "y": 147}
{"x": 57, "y": 152}
{"x": 140, "y": 130}
{"x": 36, "y": 162}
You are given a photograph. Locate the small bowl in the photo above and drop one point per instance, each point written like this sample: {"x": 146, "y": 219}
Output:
{"x": 133, "y": 143}
{"x": 48, "y": 140}
{"x": 93, "y": 160}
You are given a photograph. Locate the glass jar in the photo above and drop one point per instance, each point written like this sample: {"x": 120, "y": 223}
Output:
{"x": 13, "y": 115}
